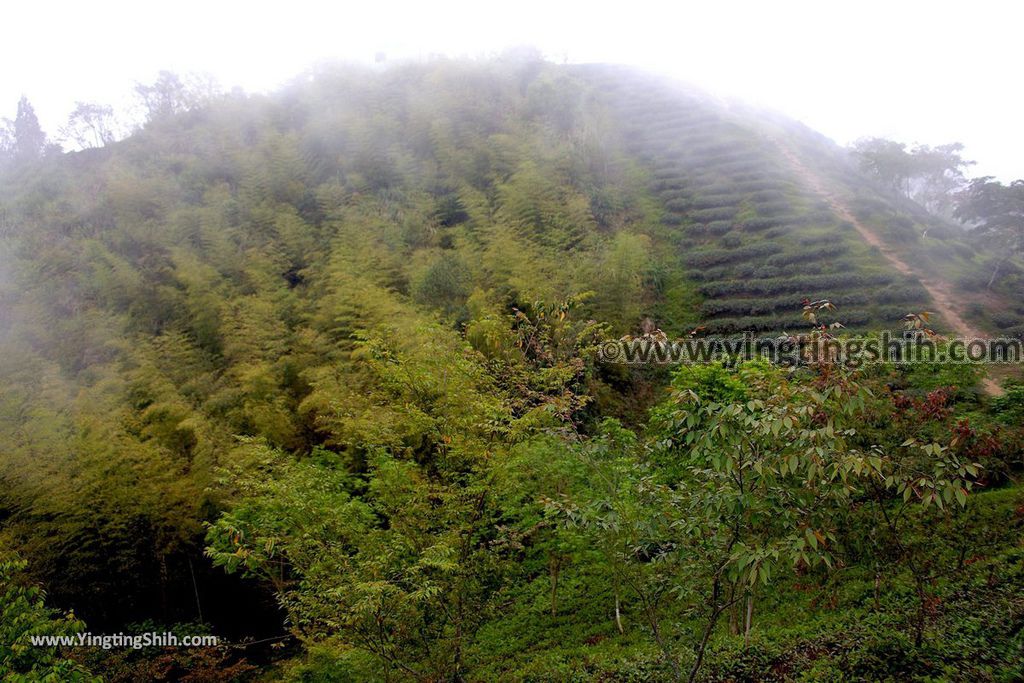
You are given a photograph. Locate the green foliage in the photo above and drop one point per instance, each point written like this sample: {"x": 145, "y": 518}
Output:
{"x": 444, "y": 284}
{"x": 621, "y": 281}
{"x": 130, "y": 664}
{"x": 998, "y": 211}
{"x": 1009, "y": 408}
{"x": 344, "y": 337}
{"x": 23, "y": 614}
{"x": 933, "y": 176}
{"x": 716, "y": 382}
{"x": 930, "y": 376}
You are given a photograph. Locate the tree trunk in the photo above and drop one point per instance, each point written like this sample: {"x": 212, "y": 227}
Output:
{"x": 618, "y": 613}
{"x": 652, "y": 618}
{"x": 195, "y": 590}
{"x": 750, "y": 616}
{"x": 164, "y": 574}
{"x": 716, "y": 591}
{"x": 734, "y": 620}
{"x": 921, "y": 607}
{"x": 457, "y": 658}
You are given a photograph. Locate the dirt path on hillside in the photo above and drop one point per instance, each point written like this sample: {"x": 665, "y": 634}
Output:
{"x": 945, "y": 302}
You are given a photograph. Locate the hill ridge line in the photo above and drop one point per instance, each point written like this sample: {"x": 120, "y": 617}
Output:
{"x": 946, "y": 303}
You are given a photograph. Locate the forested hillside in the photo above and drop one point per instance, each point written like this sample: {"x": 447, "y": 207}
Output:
{"x": 318, "y": 368}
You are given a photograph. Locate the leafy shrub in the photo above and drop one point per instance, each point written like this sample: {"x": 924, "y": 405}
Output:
{"x": 1004, "y": 320}
{"x": 964, "y": 250}
{"x": 1009, "y": 408}
{"x": 444, "y": 284}
{"x": 974, "y": 281}
{"x": 714, "y": 257}
{"x": 808, "y": 285}
{"x": 758, "y": 223}
{"x": 902, "y": 229}
{"x": 678, "y": 205}
{"x": 719, "y": 228}
{"x": 23, "y": 613}
{"x": 804, "y": 255}
{"x": 774, "y": 208}
{"x": 718, "y": 201}
{"x": 732, "y": 240}
{"x": 901, "y": 294}
{"x": 708, "y": 215}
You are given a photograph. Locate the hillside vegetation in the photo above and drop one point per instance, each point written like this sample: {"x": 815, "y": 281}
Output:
{"x": 318, "y": 368}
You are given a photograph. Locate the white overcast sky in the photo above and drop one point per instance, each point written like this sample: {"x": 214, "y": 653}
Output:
{"x": 929, "y": 72}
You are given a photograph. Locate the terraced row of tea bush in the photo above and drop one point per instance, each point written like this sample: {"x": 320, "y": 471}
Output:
{"x": 743, "y": 227}
{"x": 935, "y": 246}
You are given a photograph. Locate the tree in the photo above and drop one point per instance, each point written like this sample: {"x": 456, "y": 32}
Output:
{"x": 764, "y": 468}
{"x": 170, "y": 95}
{"x": 407, "y": 568}
{"x": 939, "y": 176}
{"x": 632, "y": 520}
{"x": 409, "y": 561}
{"x": 745, "y": 475}
{"x": 444, "y": 283}
{"x": 6, "y": 140}
{"x": 888, "y": 160}
{"x": 619, "y": 282}
{"x": 90, "y": 125}
{"x": 930, "y": 175}
{"x": 997, "y": 211}
{"x": 934, "y": 478}
{"x": 27, "y": 140}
